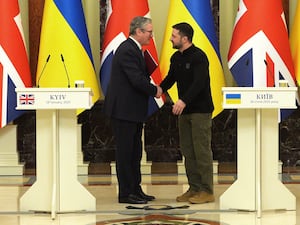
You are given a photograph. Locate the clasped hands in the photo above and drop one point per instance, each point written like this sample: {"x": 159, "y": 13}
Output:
{"x": 178, "y": 107}
{"x": 159, "y": 92}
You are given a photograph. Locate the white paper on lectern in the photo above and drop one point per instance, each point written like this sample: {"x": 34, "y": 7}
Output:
{"x": 259, "y": 97}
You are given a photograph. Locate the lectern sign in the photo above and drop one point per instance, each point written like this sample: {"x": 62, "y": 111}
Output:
{"x": 250, "y": 97}
{"x": 56, "y": 98}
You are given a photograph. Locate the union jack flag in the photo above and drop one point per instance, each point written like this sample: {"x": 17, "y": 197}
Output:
{"x": 259, "y": 54}
{"x": 116, "y": 31}
{"x": 14, "y": 65}
{"x": 26, "y": 99}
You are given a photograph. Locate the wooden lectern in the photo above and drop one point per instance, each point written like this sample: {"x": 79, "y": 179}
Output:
{"x": 258, "y": 186}
{"x": 56, "y": 188}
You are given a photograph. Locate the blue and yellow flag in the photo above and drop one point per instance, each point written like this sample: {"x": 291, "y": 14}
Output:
{"x": 295, "y": 43}
{"x": 199, "y": 15}
{"x": 65, "y": 54}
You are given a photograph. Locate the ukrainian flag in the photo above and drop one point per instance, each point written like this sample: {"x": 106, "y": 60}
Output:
{"x": 199, "y": 15}
{"x": 65, "y": 39}
{"x": 233, "y": 99}
{"x": 295, "y": 43}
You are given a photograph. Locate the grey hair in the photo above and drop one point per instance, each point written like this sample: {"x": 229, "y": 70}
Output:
{"x": 138, "y": 22}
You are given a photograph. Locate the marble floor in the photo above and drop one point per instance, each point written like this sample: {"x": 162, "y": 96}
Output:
{"x": 164, "y": 187}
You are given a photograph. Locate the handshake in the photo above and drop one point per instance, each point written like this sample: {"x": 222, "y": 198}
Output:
{"x": 178, "y": 106}
{"x": 159, "y": 92}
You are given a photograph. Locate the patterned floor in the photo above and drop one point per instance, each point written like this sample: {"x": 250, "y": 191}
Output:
{"x": 160, "y": 219}
{"x": 165, "y": 187}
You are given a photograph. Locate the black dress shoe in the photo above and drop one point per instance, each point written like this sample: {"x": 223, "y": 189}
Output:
{"x": 133, "y": 199}
{"x": 142, "y": 195}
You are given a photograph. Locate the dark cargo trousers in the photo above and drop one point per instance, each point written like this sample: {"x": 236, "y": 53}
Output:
{"x": 195, "y": 146}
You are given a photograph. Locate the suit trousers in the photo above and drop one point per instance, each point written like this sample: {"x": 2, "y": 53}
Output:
{"x": 128, "y": 136}
{"x": 195, "y": 146}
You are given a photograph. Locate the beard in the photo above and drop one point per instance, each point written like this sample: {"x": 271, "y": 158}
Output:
{"x": 177, "y": 46}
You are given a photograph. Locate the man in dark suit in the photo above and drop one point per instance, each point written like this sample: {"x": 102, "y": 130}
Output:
{"x": 126, "y": 103}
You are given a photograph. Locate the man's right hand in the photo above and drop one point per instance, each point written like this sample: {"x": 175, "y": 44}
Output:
{"x": 158, "y": 92}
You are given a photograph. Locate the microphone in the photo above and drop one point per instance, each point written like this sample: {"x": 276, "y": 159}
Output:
{"x": 63, "y": 61}
{"x": 47, "y": 60}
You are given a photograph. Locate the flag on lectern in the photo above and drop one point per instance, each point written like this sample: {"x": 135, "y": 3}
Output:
{"x": 199, "y": 15}
{"x": 116, "y": 31}
{"x": 295, "y": 43}
{"x": 259, "y": 54}
{"x": 14, "y": 65}
{"x": 65, "y": 54}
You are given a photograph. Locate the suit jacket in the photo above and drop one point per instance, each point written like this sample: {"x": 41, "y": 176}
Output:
{"x": 129, "y": 88}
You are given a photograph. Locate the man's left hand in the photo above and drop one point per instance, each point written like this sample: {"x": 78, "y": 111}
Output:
{"x": 178, "y": 107}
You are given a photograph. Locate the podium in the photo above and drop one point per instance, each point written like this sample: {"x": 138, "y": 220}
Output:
{"x": 258, "y": 186}
{"x": 57, "y": 188}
